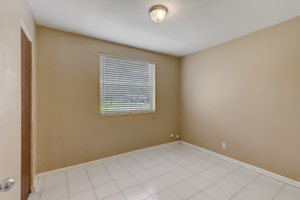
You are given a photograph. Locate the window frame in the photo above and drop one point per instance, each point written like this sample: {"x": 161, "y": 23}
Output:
{"x": 129, "y": 113}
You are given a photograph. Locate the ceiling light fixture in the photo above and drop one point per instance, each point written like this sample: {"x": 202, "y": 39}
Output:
{"x": 158, "y": 13}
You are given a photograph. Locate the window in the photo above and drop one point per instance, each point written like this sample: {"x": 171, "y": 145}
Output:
{"x": 126, "y": 86}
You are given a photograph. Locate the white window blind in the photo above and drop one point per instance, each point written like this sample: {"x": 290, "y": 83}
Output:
{"x": 126, "y": 86}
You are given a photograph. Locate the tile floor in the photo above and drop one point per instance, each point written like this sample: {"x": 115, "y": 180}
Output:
{"x": 172, "y": 172}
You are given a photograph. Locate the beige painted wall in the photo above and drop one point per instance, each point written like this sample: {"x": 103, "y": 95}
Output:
{"x": 246, "y": 92}
{"x": 11, "y": 12}
{"x": 70, "y": 128}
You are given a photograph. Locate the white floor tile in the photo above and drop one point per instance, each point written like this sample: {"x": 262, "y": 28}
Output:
{"x": 221, "y": 170}
{"x": 100, "y": 179}
{"x": 169, "y": 179}
{"x": 262, "y": 188}
{"x": 77, "y": 175}
{"x": 190, "y": 157}
{"x": 150, "y": 198}
{"x": 204, "y": 163}
{"x": 158, "y": 171}
{"x": 140, "y": 157}
{"x": 106, "y": 190}
{"x": 184, "y": 190}
{"x": 229, "y": 186}
{"x": 173, "y": 172}
{"x": 210, "y": 175}
{"x": 65, "y": 198}
{"x": 54, "y": 182}
{"x": 112, "y": 164}
{"x": 154, "y": 186}
{"x": 216, "y": 193}
{"x": 55, "y": 194}
{"x": 135, "y": 168}
{"x": 198, "y": 182}
{"x": 200, "y": 196}
{"x": 34, "y": 196}
{"x": 136, "y": 193}
{"x": 96, "y": 169}
{"x": 182, "y": 173}
{"x": 144, "y": 176}
{"x": 167, "y": 195}
{"x": 236, "y": 198}
{"x": 148, "y": 164}
{"x": 127, "y": 161}
{"x": 119, "y": 173}
{"x": 181, "y": 162}
{"x": 118, "y": 196}
{"x": 169, "y": 165}
{"x": 213, "y": 160}
{"x": 195, "y": 168}
{"x": 126, "y": 182}
{"x": 85, "y": 195}
{"x": 227, "y": 166}
{"x": 289, "y": 193}
{"x": 242, "y": 176}
{"x": 79, "y": 186}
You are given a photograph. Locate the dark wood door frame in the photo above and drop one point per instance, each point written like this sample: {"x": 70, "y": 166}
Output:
{"x": 26, "y": 61}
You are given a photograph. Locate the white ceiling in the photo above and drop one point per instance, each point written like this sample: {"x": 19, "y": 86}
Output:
{"x": 191, "y": 25}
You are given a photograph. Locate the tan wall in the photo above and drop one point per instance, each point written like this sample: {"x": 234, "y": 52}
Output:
{"x": 70, "y": 128}
{"x": 246, "y": 92}
{"x": 11, "y": 12}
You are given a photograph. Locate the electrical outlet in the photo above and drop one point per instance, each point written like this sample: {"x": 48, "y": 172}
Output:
{"x": 172, "y": 135}
{"x": 224, "y": 146}
{"x": 178, "y": 136}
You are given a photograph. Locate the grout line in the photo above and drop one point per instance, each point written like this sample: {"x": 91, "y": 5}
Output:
{"x": 156, "y": 177}
{"x": 193, "y": 162}
{"x": 184, "y": 179}
{"x": 53, "y": 188}
{"x": 166, "y": 153}
{"x": 140, "y": 184}
{"x": 113, "y": 180}
{"x": 213, "y": 182}
{"x": 67, "y": 185}
{"x": 250, "y": 182}
{"x": 243, "y": 164}
{"x": 90, "y": 180}
{"x": 193, "y": 147}
{"x": 277, "y": 194}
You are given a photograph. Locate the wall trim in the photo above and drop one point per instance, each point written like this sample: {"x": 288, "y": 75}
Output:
{"x": 25, "y": 29}
{"x": 37, "y": 184}
{"x": 245, "y": 165}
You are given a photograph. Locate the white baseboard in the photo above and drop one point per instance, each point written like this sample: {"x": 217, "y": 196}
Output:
{"x": 248, "y": 166}
{"x": 37, "y": 184}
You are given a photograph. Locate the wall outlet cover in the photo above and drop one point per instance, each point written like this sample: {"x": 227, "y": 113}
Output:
{"x": 224, "y": 146}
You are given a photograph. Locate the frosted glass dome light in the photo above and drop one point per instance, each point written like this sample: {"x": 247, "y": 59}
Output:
{"x": 158, "y": 13}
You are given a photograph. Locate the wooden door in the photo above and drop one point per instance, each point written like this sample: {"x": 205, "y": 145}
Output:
{"x": 25, "y": 116}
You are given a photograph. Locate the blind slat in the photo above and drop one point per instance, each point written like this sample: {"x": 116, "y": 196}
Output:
{"x": 126, "y": 86}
